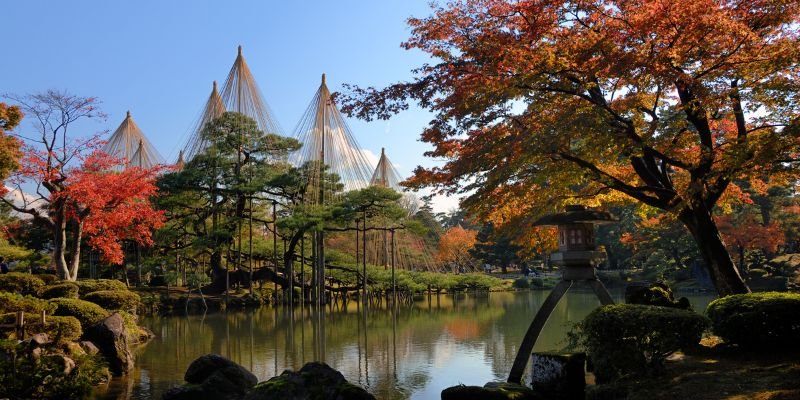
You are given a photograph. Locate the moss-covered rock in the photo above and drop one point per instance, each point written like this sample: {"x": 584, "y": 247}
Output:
{"x": 757, "y": 320}
{"x": 86, "y": 312}
{"x": 114, "y": 299}
{"x": 315, "y": 381}
{"x": 94, "y": 285}
{"x": 213, "y": 377}
{"x": 490, "y": 391}
{"x": 67, "y": 290}
{"x": 136, "y": 333}
{"x": 21, "y": 283}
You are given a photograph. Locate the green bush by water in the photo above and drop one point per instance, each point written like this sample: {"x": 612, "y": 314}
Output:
{"x": 522, "y": 283}
{"x": 114, "y": 299}
{"x": 757, "y": 320}
{"x": 86, "y": 312}
{"x": 21, "y": 283}
{"x": 94, "y": 285}
{"x": 624, "y": 339}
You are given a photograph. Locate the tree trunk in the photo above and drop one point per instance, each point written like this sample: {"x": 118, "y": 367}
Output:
{"x": 723, "y": 272}
{"x": 76, "y": 254}
{"x": 60, "y": 244}
{"x": 218, "y": 274}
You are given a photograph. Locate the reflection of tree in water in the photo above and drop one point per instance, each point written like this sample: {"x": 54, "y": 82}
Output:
{"x": 393, "y": 355}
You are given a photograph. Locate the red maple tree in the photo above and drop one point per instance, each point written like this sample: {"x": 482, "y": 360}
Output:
{"x": 68, "y": 186}
{"x": 110, "y": 206}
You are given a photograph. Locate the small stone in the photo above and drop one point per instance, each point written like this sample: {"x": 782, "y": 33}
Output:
{"x": 68, "y": 364}
{"x": 36, "y": 353}
{"x": 89, "y": 347}
{"x": 38, "y": 340}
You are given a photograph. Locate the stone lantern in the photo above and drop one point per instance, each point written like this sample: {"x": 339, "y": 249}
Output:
{"x": 578, "y": 258}
{"x": 577, "y": 253}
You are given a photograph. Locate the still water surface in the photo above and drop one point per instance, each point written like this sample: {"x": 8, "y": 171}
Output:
{"x": 412, "y": 352}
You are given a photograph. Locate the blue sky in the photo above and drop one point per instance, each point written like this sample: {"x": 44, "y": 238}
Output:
{"x": 158, "y": 59}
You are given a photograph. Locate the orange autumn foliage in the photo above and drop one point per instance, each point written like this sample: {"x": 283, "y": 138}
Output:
{"x": 454, "y": 246}
{"x": 541, "y": 103}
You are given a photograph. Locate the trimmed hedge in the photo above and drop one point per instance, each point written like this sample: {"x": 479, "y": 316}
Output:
{"x": 21, "y": 283}
{"x": 86, "y": 312}
{"x": 59, "y": 329}
{"x": 757, "y": 320}
{"x": 67, "y": 290}
{"x": 522, "y": 283}
{"x": 626, "y": 339}
{"x": 114, "y": 300}
{"x": 48, "y": 279}
{"x": 93, "y": 285}
{"x": 13, "y": 302}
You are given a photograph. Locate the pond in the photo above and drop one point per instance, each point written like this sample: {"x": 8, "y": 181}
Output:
{"x": 412, "y": 352}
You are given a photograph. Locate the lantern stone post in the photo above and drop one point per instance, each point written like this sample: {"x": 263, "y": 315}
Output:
{"x": 578, "y": 258}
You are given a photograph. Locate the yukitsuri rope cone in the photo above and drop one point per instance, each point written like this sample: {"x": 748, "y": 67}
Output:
{"x": 129, "y": 143}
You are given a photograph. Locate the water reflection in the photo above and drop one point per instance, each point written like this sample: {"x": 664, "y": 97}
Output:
{"x": 396, "y": 352}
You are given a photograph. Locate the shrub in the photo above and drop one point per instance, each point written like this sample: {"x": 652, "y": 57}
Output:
{"x": 13, "y": 302}
{"x": 94, "y": 285}
{"x": 114, "y": 300}
{"x": 58, "y": 329}
{"x": 86, "y": 312}
{"x": 757, "y": 320}
{"x": 656, "y": 294}
{"x": 22, "y": 283}
{"x": 48, "y": 279}
{"x": 537, "y": 283}
{"x": 522, "y": 283}
{"x": 67, "y": 290}
{"x": 476, "y": 281}
{"x": 44, "y": 378}
{"x": 630, "y": 338}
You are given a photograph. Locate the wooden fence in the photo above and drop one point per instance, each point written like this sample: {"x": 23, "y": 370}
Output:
{"x": 19, "y": 324}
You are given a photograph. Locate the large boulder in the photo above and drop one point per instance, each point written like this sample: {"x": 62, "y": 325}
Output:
{"x": 213, "y": 377}
{"x": 110, "y": 337}
{"x": 315, "y": 381}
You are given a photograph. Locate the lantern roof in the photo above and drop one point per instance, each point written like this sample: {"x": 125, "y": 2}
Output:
{"x": 577, "y": 214}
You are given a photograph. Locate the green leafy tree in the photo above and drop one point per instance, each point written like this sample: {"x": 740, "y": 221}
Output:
{"x": 495, "y": 247}
{"x": 210, "y": 199}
